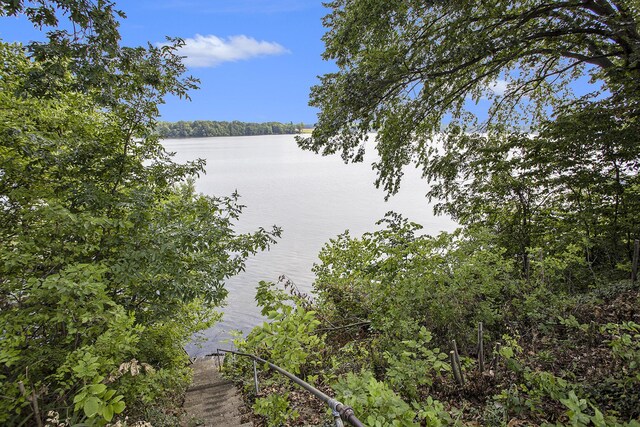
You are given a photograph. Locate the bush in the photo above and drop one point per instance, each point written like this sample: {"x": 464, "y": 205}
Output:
{"x": 376, "y": 399}
{"x": 401, "y": 281}
{"x": 275, "y": 408}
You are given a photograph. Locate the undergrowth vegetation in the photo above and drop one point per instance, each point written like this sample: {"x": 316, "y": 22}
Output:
{"x": 387, "y": 306}
{"x": 523, "y": 118}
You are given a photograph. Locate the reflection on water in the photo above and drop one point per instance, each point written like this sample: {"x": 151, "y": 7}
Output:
{"x": 313, "y": 199}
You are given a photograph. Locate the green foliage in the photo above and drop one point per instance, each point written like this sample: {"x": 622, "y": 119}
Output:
{"x": 572, "y": 322}
{"x": 108, "y": 254}
{"x": 288, "y": 339}
{"x": 538, "y": 389}
{"x": 414, "y": 364}
{"x": 433, "y": 413}
{"x": 400, "y": 281}
{"x": 276, "y": 409}
{"x": 575, "y": 411}
{"x": 97, "y": 400}
{"x": 549, "y": 168}
{"x": 354, "y": 356}
{"x": 404, "y": 67}
{"x": 510, "y": 348}
{"x": 625, "y": 344}
{"x": 624, "y": 340}
{"x": 546, "y": 190}
{"x": 523, "y": 186}
{"x": 376, "y": 399}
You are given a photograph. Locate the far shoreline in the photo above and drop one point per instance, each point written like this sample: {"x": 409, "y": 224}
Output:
{"x": 211, "y": 129}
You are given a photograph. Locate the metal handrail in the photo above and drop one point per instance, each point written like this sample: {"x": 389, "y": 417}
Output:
{"x": 340, "y": 411}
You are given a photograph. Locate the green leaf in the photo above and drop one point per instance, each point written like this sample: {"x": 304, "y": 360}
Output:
{"x": 92, "y": 406}
{"x": 79, "y": 397}
{"x": 118, "y": 407}
{"x": 107, "y": 412}
{"x": 97, "y": 389}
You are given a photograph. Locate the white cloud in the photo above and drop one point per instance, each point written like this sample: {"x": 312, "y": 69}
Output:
{"x": 499, "y": 87}
{"x": 210, "y": 51}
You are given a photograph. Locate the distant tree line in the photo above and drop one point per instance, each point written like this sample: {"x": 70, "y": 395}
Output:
{"x": 207, "y": 128}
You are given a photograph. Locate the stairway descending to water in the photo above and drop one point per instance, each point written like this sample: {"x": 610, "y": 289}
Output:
{"x": 212, "y": 401}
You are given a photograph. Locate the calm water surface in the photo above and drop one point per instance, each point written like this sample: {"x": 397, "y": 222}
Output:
{"x": 313, "y": 199}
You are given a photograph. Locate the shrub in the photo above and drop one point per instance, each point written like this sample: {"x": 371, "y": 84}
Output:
{"x": 375, "y": 400}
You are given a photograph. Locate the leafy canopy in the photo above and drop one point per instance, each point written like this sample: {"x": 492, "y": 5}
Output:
{"x": 410, "y": 71}
{"x": 405, "y": 67}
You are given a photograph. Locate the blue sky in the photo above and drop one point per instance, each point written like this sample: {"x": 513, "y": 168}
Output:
{"x": 256, "y": 59}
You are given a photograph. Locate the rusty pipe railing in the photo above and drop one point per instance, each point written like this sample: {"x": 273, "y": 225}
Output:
{"x": 340, "y": 411}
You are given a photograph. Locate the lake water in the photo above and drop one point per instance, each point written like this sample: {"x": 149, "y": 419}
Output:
{"x": 313, "y": 199}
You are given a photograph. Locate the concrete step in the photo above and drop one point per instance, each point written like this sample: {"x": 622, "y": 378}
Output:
{"x": 212, "y": 400}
